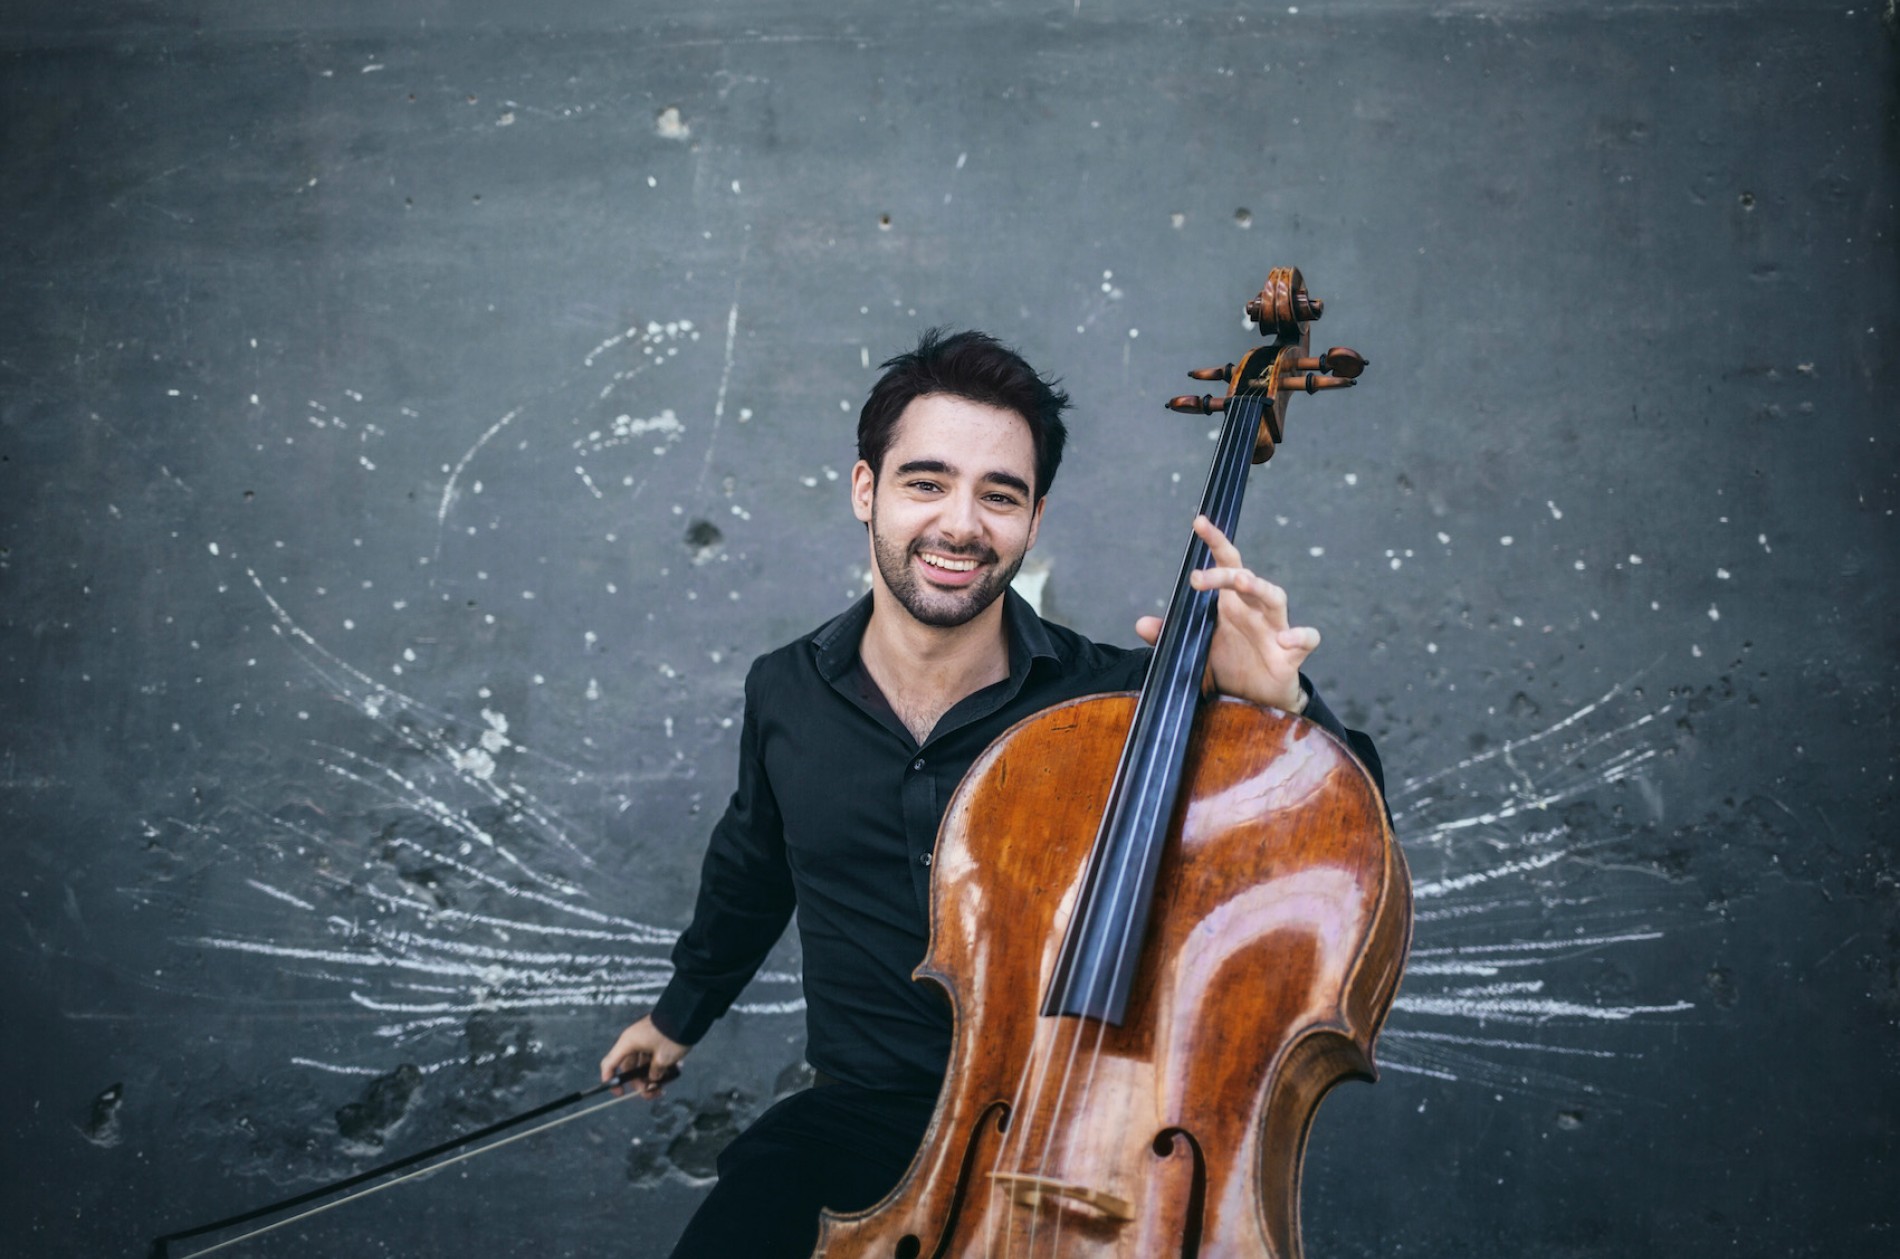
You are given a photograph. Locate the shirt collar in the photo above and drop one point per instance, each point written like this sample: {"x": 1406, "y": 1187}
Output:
{"x": 836, "y": 642}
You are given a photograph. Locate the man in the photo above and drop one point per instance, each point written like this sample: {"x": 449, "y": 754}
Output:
{"x": 854, "y": 738}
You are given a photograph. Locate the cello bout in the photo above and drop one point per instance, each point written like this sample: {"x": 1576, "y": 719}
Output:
{"x": 1265, "y": 978}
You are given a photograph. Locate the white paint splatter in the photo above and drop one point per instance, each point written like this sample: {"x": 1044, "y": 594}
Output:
{"x": 669, "y": 125}
{"x": 625, "y": 429}
{"x": 1528, "y": 1009}
{"x": 474, "y": 761}
{"x": 448, "y": 487}
{"x": 1461, "y": 819}
{"x": 725, "y": 369}
{"x": 279, "y": 894}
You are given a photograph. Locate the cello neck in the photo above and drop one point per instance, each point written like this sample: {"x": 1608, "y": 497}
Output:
{"x": 1101, "y": 948}
{"x": 1097, "y": 962}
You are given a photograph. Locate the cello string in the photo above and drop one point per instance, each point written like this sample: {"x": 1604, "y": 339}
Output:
{"x": 1227, "y": 485}
{"x": 1177, "y": 687}
{"x": 1042, "y": 1055}
{"x": 1227, "y": 481}
{"x": 1226, "y": 488}
{"x": 1167, "y": 740}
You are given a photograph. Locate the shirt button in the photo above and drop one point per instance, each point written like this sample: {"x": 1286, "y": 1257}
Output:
{"x": 924, "y": 859}
{"x": 917, "y": 764}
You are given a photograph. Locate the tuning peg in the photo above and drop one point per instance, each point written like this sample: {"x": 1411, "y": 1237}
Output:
{"x": 1312, "y": 382}
{"x": 1212, "y": 373}
{"x": 1188, "y": 404}
{"x": 1338, "y": 361}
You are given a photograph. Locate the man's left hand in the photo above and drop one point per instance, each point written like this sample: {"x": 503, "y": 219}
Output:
{"x": 1257, "y": 652}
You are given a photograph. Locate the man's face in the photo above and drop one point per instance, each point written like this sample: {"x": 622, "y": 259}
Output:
{"x": 952, "y": 513}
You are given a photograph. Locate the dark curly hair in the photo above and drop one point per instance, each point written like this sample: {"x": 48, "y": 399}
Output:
{"x": 970, "y": 365}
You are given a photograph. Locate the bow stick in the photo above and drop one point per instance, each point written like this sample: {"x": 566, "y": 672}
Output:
{"x": 161, "y": 1246}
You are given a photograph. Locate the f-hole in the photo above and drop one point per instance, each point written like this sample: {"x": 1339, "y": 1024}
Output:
{"x": 1167, "y": 1142}
{"x": 909, "y": 1247}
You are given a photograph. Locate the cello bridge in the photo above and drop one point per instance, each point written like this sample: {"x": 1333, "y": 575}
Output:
{"x": 1029, "y": 1191}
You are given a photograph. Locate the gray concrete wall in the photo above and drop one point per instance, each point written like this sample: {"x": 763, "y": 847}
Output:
{"x": 410, "y": 428}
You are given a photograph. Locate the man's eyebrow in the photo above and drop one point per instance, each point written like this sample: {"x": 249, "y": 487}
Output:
{"x": 925, "y": 465}
{"x": 1007, "y": 480}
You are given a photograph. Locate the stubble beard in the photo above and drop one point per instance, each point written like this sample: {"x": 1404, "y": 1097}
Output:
{"x": 944, "y": 609}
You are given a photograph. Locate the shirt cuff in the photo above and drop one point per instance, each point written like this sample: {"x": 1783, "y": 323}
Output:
{"x": 685, "y": 1012}
{"x": 1318, "y": 713}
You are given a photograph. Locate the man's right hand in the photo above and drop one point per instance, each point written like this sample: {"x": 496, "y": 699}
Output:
{"x": 644, "y": 1057}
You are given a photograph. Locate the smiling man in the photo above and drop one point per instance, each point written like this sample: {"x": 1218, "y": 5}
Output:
{"x": 854, "y": 738}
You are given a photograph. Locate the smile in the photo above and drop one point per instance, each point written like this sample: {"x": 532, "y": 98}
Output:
{"x": 946, "y": 563}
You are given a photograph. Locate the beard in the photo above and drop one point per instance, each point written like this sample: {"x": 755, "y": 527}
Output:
{"x": 945, "y": 609}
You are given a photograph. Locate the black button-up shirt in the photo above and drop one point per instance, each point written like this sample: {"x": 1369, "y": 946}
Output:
{"x": 836, "y": 816}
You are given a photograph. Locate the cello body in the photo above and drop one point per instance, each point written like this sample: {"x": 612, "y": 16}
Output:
{"x": 1275, "y": 952}
{"x": 1166, "y": 925}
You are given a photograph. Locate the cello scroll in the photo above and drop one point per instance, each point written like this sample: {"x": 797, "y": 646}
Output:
{"x": 1284, "y": 312}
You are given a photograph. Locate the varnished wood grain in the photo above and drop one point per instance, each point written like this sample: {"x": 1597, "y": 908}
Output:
{"x": 1275, "y": 948}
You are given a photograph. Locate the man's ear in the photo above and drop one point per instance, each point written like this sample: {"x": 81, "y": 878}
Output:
{"x": 1035, "y": 522}
{"x": 863, "y": 490}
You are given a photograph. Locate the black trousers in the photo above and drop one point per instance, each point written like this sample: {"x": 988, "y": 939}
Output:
{"x": 836, "y": 1146}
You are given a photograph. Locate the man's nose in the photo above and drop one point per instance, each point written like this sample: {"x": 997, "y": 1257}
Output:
{"x": 961, "y": 519}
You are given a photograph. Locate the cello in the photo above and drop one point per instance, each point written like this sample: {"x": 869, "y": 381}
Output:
{"x": 1166, "y": 923}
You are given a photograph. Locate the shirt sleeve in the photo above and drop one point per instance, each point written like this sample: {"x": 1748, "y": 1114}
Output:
{"x": 1358, "y": 740}
{"x": 745, "y": 898}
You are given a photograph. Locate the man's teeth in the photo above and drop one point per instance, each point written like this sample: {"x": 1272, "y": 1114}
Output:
{"x": 944, "y": 562}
